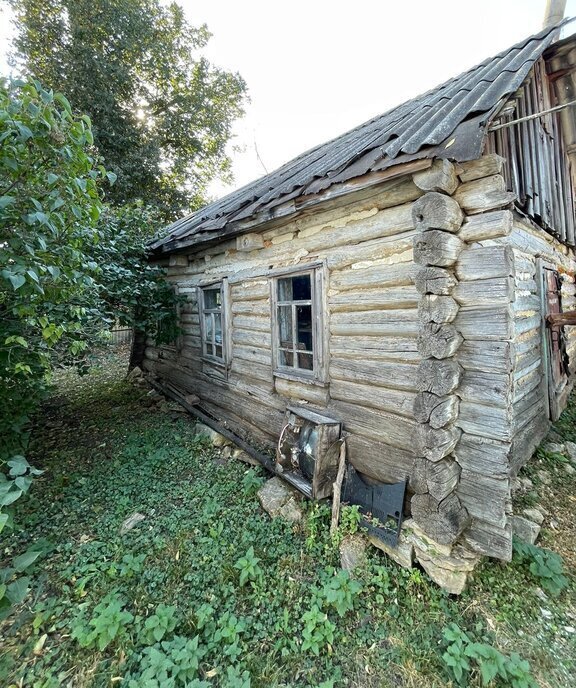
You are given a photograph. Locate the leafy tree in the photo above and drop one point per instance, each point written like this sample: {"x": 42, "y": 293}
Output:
{"x": 49, "y": 209}
{"x": 162, "y": 115}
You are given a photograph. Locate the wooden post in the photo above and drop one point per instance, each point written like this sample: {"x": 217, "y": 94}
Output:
{"x": 337, "y": 488}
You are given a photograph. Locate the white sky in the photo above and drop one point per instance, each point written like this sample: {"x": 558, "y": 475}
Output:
{"x": 317, "y": 68}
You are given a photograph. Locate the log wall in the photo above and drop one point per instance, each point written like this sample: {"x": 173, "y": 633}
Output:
{"x": 371, "y": 318}
{"x": 433, "y": 340}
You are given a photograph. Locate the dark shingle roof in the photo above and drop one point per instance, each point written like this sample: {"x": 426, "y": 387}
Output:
{"x": 447, "y": 121}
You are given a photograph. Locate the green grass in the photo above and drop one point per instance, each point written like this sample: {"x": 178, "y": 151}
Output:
{"x": 207, "y": 590}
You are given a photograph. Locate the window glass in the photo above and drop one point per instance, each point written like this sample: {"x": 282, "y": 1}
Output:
{"x": 212, "y": 322}
{"x": 294, "y": 322}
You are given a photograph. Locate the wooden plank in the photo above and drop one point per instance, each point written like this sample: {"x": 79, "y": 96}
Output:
{"x": 487, "y": 498}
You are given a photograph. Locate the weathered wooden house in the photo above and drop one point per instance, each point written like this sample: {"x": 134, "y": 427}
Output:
{"x": 397, "y": 279}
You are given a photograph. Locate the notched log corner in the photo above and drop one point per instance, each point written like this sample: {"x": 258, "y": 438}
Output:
{"x": 436, "y": 247}
{"x": 441, "y": 177}
{"x": 438, "y": 340}
{"x": 435, "y": 410}
{"x": 444, "y": 521}
{"x": 440, "y": 377}
{"x": 432, "y": 280}
{"x": 437, "y": 211}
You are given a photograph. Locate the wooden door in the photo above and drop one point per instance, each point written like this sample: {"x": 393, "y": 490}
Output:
{"x": 556, "y": 358}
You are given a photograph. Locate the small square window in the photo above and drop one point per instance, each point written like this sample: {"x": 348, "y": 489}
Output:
{"x": 212, "y": 322}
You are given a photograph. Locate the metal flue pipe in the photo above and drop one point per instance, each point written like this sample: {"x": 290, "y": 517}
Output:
{"x": 554, "y": 12}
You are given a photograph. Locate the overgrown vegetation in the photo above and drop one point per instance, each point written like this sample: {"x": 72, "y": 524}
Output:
{"x": 208, "y": 591}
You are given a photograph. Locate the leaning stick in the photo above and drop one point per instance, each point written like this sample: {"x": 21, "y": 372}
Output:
{"x": 337, "y": 488}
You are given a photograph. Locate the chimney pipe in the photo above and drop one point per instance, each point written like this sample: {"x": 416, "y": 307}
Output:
{"x": 554, "y": 12}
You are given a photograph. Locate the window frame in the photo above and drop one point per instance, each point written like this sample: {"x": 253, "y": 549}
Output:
{"x": 318, "y": 374}
{"x": 202, "y": 311}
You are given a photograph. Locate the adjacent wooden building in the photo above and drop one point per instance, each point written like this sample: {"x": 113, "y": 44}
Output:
{"x": 397, "y": 280}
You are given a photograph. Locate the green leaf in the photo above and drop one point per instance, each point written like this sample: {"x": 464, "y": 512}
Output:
{"x": 10, "y": 497}
{"x": 18, "y": 465}
{"x": 6, "y": 201}
{"x": 3, "y": 521}
{"x": 17, "y": 281}
{"x": 18, "y": 590}
{"x": 24, "y": 561}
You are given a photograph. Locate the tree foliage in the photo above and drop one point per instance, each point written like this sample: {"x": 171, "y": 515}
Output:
{"x": 69, "y": 267}
{"x": 162, "y": 115}
{"x": 49, "y": 210}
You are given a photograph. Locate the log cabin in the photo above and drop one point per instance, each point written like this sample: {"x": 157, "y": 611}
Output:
{"x": 396, "y": 280}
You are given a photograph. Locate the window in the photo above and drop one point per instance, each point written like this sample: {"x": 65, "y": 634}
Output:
{"x": 212, "y": 323}
{"x": 298, "y": 342}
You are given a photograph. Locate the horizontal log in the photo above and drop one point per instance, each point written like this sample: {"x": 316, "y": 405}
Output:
{"x": 442, "y": 521}
{"x": 372, "y": 299}
{"x": 485, "y": 497}
{"x": 378, "y": 460}
{"x": 440, "y": 177}
{"x": 493, "y": 292}
{"x": 252, "y": 290}
{"x": 390, "y": 250}
{"x": 433, "y": 280}
{"x": 378, "y": 275}
{"x": 485, "y": 262}
{"x": 484, "y": 194}
{"x": 438, "y": 341}
{"x": 252, "y": 354}
{"x": 433, "y": 443}
{"x": 435, "y": 410}
{"x": 302, "y": 391}
{"x": 526, "y": 441}
{"x": 391, "y": 400}
{"x": 253, "y": 323}
{"x": 393, "y": 322}
{"x": 486, "y": 421}
{"x": 485, "y": 323}
{"x": 260, "y": 372}
{"x": 438, "y": 377}
{"x": 249, "y": 242}
{"x": 436, "y": 248}
{"x": 486, "y": 387}
{"x": 483, "y": 455}
{"x": 391, "y": 349}
{"x": 389, "y": 428}
{"x": 437, "y": 211}
{"x": 487, "y": 356}
{"x": 437, "y": 309}
{"x": 260, "y": 308}
{"x": 382, "y": 373}
{"x": 485, "y": 166}
{"x": 492, "y": 225}
{"x": 262, "y": 340}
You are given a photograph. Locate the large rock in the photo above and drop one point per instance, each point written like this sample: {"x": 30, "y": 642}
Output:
{"x": 215, "y": 438}
{"x": 241, "y": 455}
{"x": 279, "y": 499}
{"x": 352, "y": 552}
{"x": 449, "y": 572}
{"x": 534, "y": 515}
{"x": 571, "y": 450}
{"x": 131, "y": 522}
{"x": 525, "y": 530}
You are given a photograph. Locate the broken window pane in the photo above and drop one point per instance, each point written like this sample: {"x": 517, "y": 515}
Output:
{"x": 212, "y": 299}
{"x": 304, "y": 325}
{"x": 285, "y": 325}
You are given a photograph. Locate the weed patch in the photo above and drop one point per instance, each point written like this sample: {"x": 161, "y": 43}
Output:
{"x": 206, "y": 590}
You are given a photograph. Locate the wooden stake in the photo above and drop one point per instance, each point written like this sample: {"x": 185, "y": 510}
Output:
{"x": 337, "y": 488}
